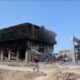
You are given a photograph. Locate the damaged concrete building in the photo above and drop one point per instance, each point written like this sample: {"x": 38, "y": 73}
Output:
{"x": 16, "y": 41}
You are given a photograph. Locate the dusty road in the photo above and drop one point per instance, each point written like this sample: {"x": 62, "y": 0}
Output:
{"x": 51, "y": 71}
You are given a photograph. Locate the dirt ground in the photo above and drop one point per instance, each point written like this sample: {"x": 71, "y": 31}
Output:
{"x": 47, "y": 72}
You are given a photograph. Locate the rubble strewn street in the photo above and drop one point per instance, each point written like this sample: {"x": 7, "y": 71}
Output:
{"x": 54, "y": 71}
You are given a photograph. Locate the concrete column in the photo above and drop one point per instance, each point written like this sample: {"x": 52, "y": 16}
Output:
{"x": 9, "y": 55}
{"x": 17, "y": 56}
{"x": 26, "y": 55}
{"x": 2, "y": 55}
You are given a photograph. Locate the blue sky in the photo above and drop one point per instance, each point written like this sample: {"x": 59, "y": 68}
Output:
{"x": 60, "y": 16}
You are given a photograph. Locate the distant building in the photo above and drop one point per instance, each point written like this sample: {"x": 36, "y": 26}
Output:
{"x": 63, "y": 54}
{"x": 76, "y": 46}
{"x": 16, "y": 41}
{"x": 66, "y": 53}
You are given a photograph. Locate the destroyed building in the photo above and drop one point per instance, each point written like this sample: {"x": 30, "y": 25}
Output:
{"x": 15, "y": 41}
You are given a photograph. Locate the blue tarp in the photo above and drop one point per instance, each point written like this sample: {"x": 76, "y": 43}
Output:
{"x": 44, "y": 57}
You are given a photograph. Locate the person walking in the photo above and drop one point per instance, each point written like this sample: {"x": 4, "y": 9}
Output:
{"x": 36, "y": 60}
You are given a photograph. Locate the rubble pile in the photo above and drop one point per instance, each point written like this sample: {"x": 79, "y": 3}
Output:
{"x": 68, "y": 76}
